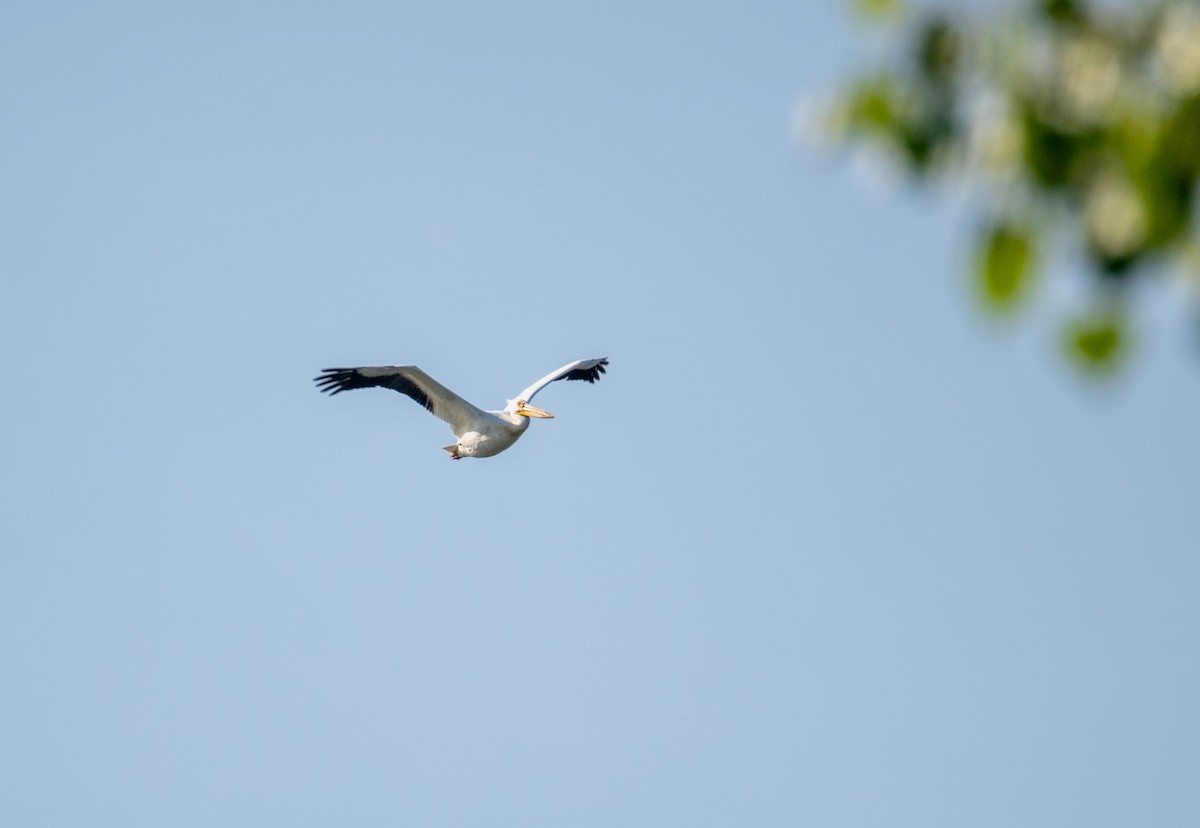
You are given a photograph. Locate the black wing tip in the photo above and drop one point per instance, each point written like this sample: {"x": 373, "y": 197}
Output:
{"x": 588, "y": 374}
{"x": 334, "y": 380}
{"x": 596, "y": 370}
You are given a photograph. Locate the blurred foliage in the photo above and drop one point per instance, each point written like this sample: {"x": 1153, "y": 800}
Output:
{"x": 1081, "y": 121}
{"x": 1097, "y": 340}
{"x": 1006, "y": 258}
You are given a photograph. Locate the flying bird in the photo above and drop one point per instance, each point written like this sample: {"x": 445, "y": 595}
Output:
{"x": 479, "y": 433}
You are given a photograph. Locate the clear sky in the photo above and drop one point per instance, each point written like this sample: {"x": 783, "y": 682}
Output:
{"x": 825, "y": 547}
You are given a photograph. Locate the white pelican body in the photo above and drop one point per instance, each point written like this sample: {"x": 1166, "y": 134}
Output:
{"x": 479, "y": 433}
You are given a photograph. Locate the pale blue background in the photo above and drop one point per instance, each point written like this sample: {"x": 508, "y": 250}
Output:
{"x": 825, "y": 547}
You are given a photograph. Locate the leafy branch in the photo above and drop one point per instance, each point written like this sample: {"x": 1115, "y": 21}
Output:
{"x": 1081, "y": 123}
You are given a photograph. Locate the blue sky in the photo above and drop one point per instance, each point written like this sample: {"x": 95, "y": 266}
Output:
{"x": 826, "y": 545}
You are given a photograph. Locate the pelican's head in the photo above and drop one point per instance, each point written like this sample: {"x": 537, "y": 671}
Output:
{"x": 524, "y": 409}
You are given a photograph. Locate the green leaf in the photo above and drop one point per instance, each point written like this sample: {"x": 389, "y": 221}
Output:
{"x": 1005, "y": 265}
{"x": 871, "y": 108}
{"x": 1098, "y": 340}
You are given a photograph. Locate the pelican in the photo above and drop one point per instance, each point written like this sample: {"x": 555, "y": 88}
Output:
{"x": 479, "y": 433}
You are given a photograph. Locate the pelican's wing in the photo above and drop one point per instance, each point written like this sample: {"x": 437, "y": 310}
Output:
{"x": 580, "y": 369}
{"x": 410, "y": 380}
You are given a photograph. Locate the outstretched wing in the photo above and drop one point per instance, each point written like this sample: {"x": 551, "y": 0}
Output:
{"x": 581, "y": 369}
{"x": 411, "y": 381}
